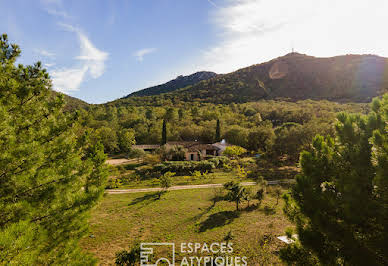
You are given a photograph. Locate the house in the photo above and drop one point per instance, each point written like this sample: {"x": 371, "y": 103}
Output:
{"x": 195, "y": 151}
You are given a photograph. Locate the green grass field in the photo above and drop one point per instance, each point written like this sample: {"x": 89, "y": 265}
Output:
{"x": 217, "y": 177}
{"x": 185, "y": 216}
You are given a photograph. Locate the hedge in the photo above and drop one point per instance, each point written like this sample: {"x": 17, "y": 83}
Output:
{"x": 184, "y": 167}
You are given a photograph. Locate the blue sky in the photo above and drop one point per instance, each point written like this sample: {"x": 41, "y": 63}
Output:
{"x": 102, "y": 50}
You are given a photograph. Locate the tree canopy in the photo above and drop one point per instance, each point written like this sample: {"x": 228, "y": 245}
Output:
{"x": 50, "y": 176}
{"x": 340, "y": 201}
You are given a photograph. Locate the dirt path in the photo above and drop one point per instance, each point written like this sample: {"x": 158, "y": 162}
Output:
{"x": 136, "y": 190}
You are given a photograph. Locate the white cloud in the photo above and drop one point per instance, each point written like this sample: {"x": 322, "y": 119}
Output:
{"x": 49, "y": 65}
{"x": 68, "y": 79}
{"x": 44, "y": 53}
{"x": 142, "y": 52}
{"x": 253, "y": 31}
{"x": 91, "y": 63}
{"x": 55, "y": 8}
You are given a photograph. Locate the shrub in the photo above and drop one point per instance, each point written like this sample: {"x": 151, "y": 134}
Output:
{"x": 113, "y": 183}
{"x": 184, "y": 167}
{"x": 220, "y": 161}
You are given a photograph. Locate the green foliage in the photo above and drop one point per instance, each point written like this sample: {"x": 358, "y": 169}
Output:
{"x": 236, "y": 193}
{"x": 219, "y": 161}
{"x": 241, "y": 172}
{"x": 218, "y": 131}
{"x": 261, "y": 138}
{"x": 165, "y": 182}
{"x": 176, "y": 153}
{"x": 259, "y": 195}
{"x": 126, "y": 139}
{"x": 164, "y": 132}
{"x": 128, "y": 258}
{"x": 136, "y": 153}
{"x": 51, "y": 175}
{"x": 339, "y": 203}
{"x": 113, "y": 183}
{"x": 108, "y": 137}
{"x": 234, "y": 151}
{"x": 196, "y": 175}
{"x": 184, "y": 167}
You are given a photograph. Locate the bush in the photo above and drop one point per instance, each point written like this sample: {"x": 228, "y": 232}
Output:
{"x": 220, "y": 161}
{"x": 113, "y": 183}
{"x": 136, "y": 153}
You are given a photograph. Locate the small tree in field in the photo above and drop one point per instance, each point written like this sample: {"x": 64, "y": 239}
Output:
{"x": 236, "y": 193}
{"x": 340, "y": 200}
{"x": 249, "y": 195}
{"x": 277, "y": 192}
{"x": 165, "y": 182}
{"x": 259, "y": 195}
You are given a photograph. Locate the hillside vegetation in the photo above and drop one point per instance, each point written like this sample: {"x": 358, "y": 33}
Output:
{"x": 175, "y": 84}
{"x": 348, "y": 78}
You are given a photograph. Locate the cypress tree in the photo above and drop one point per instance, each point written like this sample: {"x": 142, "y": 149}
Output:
{"x": 340, "y": 200}
{"x": 50, "y": 174}
{"x": 164, "y": 132}
{"x": 218, "y": 131}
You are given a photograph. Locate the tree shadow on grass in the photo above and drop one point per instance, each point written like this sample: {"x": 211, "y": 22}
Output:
{"x": 147, "y": 198}
{"x": 268, "y": 210}
{"x": 218, "y": 219}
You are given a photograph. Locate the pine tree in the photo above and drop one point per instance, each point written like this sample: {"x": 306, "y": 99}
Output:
{"x": 50, "y": 174}
{"x": 340, "y": 201}
{"x": 218, "y": 131}
{"x": 164, "y": 133}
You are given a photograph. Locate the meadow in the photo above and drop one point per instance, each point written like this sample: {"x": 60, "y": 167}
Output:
{"x": 121, "y": 221}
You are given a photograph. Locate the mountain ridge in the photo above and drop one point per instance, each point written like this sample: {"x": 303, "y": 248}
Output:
{"x": 298, "y": 77}
{"x": 175, "y": 84}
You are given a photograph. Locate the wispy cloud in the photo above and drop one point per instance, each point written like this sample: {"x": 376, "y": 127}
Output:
{"x": 212, "y": 3}
{"x": 49, "y": 65}
{"x": 55, "y": 8}
{"x": 91, "y": 63}
{"x": 44, "y": 53}
{"x": 142, "y": 52}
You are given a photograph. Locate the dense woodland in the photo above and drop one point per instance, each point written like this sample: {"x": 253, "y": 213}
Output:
{"x": 279, "y": 127}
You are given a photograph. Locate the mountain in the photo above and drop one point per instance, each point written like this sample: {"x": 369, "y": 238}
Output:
{"x": 347, "y": 78}
{"x": 175, "y": 84}
{"x": 296, "y": 76}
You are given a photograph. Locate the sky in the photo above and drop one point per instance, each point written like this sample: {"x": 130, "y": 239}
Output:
{"x": 100, "y": 51}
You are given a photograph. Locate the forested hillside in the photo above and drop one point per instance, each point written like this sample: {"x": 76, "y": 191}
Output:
{"x": 71, "y": 103}
{"x": 175, "y": 84}
{"x": 348, "y": 78}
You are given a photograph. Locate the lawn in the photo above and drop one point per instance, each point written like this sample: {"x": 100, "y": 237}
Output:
{"x": 185, "y": 216}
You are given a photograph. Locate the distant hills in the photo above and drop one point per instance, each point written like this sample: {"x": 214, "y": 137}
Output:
{"x": 175, "y": 84}
{"x": 347, "y": 78}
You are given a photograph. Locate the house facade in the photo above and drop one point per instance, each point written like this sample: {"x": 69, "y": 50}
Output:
{"x": 195, "y": 151}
